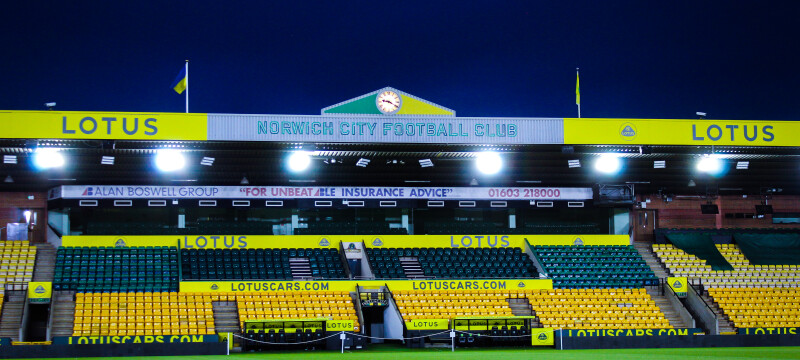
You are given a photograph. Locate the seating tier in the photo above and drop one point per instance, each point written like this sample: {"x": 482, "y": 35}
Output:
{"x": 108, "y": 269}
{"x": 759, "y": 307}
{"x": 261, "y": 264}
{"x": 141, "y": 314}
{"x": 452, "y": 263}
{"x": 17, "y": 260}
{"x": 597, "y": 309}
{"x": 618, "y": 266}
{"x": 333, "y": 305}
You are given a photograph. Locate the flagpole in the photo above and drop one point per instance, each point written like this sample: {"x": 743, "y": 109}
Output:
{"x": 578, "y": 81}
{"x": 187, "y": 87}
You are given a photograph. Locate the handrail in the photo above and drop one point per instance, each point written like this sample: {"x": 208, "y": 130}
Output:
{"x": 673, "y": 298}
{"x": 708, "y": 308}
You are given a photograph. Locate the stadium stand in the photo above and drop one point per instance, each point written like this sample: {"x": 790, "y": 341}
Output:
{"x": 744, "y": 274}
{"x": 333, "y": 305}
{"x": 135, "y": 314}
{"x": 261, "y": 264}
{"x": 759, "y": 307}
{"x": 99, "y": 269}
{"x": 597, "y": 309}
{"x": 615, "y": 266}
{"x": 451, "y": 263}
{"x": 445, "y": 304}
{"x": 17, "y": 260}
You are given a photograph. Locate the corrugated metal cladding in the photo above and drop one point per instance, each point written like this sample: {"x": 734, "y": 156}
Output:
{"x": 385, "y": 129}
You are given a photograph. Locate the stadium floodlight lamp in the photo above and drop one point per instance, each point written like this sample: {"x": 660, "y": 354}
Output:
{"x": 489, "y": 162}
{"x": 299, "y": 161}
{"x": 44, "y": 158}
{"x": 608, "y": 164}
{"x": 709, "y": 164}
{"x": 169, "y": 160}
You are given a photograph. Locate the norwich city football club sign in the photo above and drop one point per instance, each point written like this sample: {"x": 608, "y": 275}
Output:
{"x": 678, "y": 285}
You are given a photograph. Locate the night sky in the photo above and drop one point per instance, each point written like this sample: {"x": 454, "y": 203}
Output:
{"x": 639, "y": 59}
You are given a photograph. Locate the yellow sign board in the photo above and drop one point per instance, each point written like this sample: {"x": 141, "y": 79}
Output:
{"x": 542, "y": 337}
{"x": 103, "y": 125}
{"x": 428, "y": 324}
{"x": 339, "y": 325}
{"x": 681, "y": 132}
{"x": 350, "y": 285}
{"x": 678, "y": 285}
{"x": 40, "y": 292}
{"x": 534, "y": 240}
{"x": 332, "y": 241}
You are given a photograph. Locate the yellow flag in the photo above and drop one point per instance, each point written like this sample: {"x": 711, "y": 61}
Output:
{"x": 578, "y": 89}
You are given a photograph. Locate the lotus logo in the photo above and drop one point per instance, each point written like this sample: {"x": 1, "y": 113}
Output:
{"x": 39, "y": 290}
{"x": 542, "y": 336}
{"x": 677, "y": 284}
{"x": 120, "y": 243}
{"x": 214, "y": 287}
{"x": 628, "y": 131}
{"x": 521, "y": 284}
{"x": 377, "y": 242}
{"x": 578, "y": 241}
{"x": 352, "y": 246}
{"x": 324, "y": 242}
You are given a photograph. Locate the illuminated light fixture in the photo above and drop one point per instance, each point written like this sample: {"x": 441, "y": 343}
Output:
{"x": 8, "y": 179}
{"x": 659, "y": 164}
{"x": 709, "y": 164}
{"x": 574, "y": 164}
{"x": 244, "y": 181}
{"x": 27, "y": 214}
{"x": 608, "y": 164}
{"x": 107, "y": 160}
{"x": 362, "y": 162}
{"x": 168, "y": 160}
{"x": 742, "y": 165}
{"x": 207, "y": 161}
{"x": 299, "y": 161}
{"x": 47, "y": 159}
{"x": 426, "y": 163}
{"x": 691, "y": 183}
{"x": 9, "y": 159}
{"x": 488, "y": 162}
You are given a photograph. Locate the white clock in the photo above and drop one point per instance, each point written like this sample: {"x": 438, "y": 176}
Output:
{"x": 388, "y": 102}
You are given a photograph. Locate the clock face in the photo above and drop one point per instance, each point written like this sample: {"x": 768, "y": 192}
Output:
{"x": 388, "y": 102}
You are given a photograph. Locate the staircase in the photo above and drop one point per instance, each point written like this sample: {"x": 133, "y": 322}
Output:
{"x": 412, "y": 267}
{"x": 725, "y": 324}
{"x": 45, "y": 262}
{"x": 12, "y": 314}
{"x": 645, "y": 249}
{"x": 666, "y": 307}
{"x": 63, "y": 318}
{"x": 301, "y": 268}
{"x": 226, "y": 316}
{"x": 521, "y": 307}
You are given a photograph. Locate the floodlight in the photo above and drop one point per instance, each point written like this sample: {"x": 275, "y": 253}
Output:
{"x": 709, "y": 164}
{"x": 47, "y": 158}
{"x": 489, "y": 163}
{"x": 299, "y": 161}
{"x": 608, "y": 164}
{"x": 168, "y": 160}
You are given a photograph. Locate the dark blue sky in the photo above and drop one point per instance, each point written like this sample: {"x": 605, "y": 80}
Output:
{"x": 666, "y": 59}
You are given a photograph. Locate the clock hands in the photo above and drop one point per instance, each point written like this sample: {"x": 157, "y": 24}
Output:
{"x": 389, "y": 102}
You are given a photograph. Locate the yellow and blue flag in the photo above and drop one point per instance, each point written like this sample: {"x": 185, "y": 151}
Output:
{"x": 179, "y": 85}
{"x": 578, "y": 89}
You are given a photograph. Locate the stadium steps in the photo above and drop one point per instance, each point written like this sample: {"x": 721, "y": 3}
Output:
{"x": 645, "y": 249}
{"x": 12, "y": 314}
{"x": 725, "y": 324}
{"x": 522, "y": 307}
{"x": 45, "y": 262}
{"x": 226, "y": 316}
{"x": 669, "y": 311}
{"x": 63, "y": 313}
{"x": 412, "y": 267}
{"x": 301, "y": 268}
